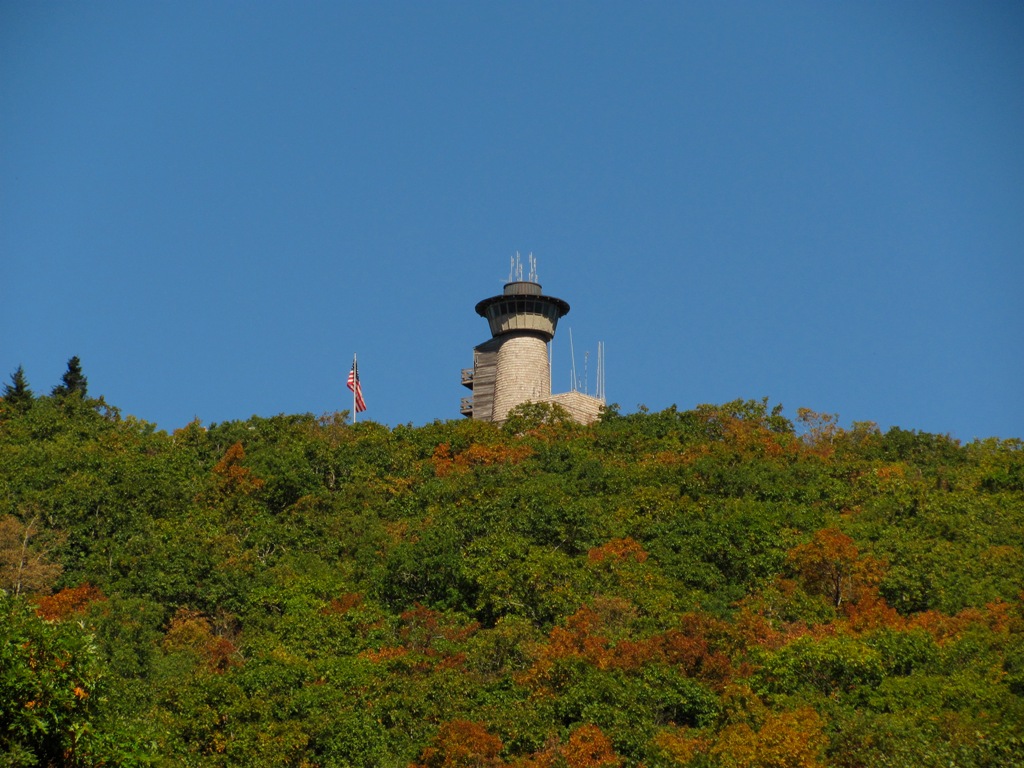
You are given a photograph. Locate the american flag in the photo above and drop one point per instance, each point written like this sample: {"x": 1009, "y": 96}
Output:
{"x": 353, "y": 384}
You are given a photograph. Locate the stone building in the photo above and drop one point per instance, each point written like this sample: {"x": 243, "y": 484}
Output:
{"x": 514, "y": 366}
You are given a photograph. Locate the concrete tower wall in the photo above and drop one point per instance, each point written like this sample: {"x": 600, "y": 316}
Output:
{"x": 522, "y": 373}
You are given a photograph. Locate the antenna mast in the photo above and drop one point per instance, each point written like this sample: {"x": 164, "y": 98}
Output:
{"x": 572, "y": 354}
{"x": 515, "y": 269}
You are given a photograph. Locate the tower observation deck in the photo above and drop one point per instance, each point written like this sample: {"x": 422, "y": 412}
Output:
{"x": 522, "y": 308}
{"x": 513, "y": 366}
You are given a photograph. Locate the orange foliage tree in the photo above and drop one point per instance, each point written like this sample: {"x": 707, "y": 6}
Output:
{"x": 477, "y": 455}
{"x": 831, "y": 565}
{"x": 191, "y": 631}
{"x": 618, "y": 550}
{"x": 232, "y": 476}
{"x": 587, "y": 747}
{"x": 68, "y": 601}
{"x": 462, "y": 744}
{"x": 597, "y": 634}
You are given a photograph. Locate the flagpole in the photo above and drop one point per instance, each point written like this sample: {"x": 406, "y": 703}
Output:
{"x": 355, "y": 388}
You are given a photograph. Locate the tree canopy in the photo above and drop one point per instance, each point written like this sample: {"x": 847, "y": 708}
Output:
{"x": 715, "y": 587}
{"x": 17, "y": 394}
{"x": 73, "y": 382}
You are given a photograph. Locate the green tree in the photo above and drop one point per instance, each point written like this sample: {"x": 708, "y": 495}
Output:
{"x": 17, "y": 395}
{"x": 529, "y": 416}
{"x": 73, "y": 381}
{"x": 51, "y": 682}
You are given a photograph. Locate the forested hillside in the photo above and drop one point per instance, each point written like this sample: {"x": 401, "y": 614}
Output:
{"x": 712, "y": 587}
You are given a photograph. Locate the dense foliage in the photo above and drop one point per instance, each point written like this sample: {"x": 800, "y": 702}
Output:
{"x": 713, "y": 587}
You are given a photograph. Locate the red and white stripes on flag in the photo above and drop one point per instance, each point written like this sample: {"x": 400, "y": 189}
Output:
{"x": 353, "y": 384}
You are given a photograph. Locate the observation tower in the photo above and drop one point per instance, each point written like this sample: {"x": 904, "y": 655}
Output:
{"x": 514, "y": 365}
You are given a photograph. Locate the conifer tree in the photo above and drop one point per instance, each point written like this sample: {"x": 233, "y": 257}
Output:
{"x": 72, "y": 381}
{"x": 17, "y": 394}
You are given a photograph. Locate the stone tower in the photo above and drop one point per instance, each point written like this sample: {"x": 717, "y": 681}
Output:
{"x": 513, "y": 366}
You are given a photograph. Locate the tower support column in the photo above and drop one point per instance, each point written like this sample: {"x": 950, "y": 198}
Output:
{"x": 523, "y": 373}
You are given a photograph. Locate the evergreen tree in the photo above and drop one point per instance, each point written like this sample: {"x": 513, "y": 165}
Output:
{"x": 73, "y": 380}
{"x": 17, "y": 394}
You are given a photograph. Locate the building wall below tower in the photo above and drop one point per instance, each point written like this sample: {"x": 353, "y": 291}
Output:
{"x": 583, "y": 408}
{"x": 522, "y": 373}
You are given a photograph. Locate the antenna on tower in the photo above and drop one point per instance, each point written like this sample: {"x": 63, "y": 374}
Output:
{"x": 515, "y": 272}
{"x": 586, "y": 372}
{"x": 572, "y": 354}
{"x": 533, "y": 269}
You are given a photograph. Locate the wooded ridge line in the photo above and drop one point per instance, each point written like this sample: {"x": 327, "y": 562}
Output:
{"x": 709, "y": 587}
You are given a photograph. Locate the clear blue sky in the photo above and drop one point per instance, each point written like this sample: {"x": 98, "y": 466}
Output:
{"x": 214, "y": 204}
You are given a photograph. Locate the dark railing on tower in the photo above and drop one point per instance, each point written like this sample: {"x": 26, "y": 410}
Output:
{"x": 522, "y": 307}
